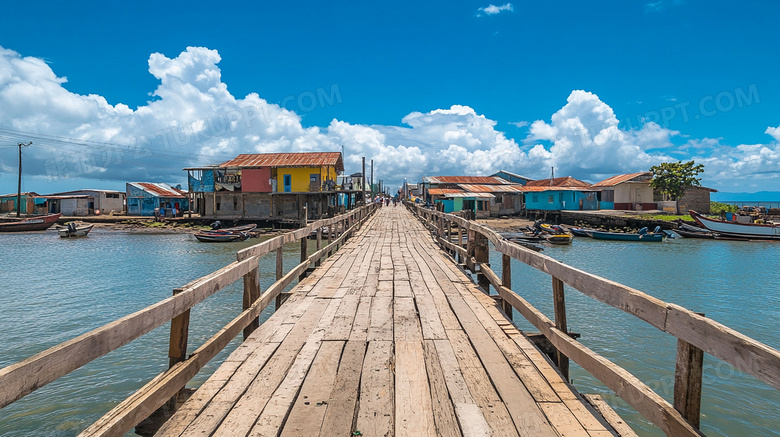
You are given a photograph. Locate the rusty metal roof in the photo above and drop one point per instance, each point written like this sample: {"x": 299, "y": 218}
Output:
{"x": 644, "y": 176}
{"x": 567, "y": 181}
{"x": 287, "y": 160}
{"x": 441, "y": 191}
{"x": 483, "y": 180}
{"x": 532, "y": 189}
{"x": 158, "y": 189}
{"x": 473, "y": 188}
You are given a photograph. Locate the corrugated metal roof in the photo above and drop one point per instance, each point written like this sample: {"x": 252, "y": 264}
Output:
{"x": 287, "y": 160}
{"x": 519, "y": 176}
{"x": 532, "y": 189}
{"x": 158, "y": 189}
{"x": 644, "y": 176}
{"x": 440, "y": 191}
{"x": 483, "y": 180}
{"x": 477, "y": 195}
{"x": 567, "y": 181}
{"x": 473, "y": 188}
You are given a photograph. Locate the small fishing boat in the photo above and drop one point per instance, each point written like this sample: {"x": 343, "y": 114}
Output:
{"x": 235, "y": 229}
{"x": 581, "y": 232}
{"x": 40, "y": 223}
{"x": 642, "y": 235}
{"x": 556, "y": 234}
{"x": 760, "y": 231}
{"x": 214, "y": 237}
{"x": 559, "y": 238}
{"x": 74, "y": 230}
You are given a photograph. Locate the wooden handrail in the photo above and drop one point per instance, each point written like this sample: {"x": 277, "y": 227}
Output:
{"x": 698, "y": 332}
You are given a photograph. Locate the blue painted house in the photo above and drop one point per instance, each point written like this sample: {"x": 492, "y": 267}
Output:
{"x": 144, "y": 197}
{"x": 560, "y": 194}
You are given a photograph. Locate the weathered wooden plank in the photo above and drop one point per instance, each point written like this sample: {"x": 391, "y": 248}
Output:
{"x": 406, "y": 324}
{"x": 376, "y": 411}
{"x": 280, "y": 403}
{"x": 479, "y": 386}
{"x": 342, "y": 324}
{"x": 362, "y": 319}
{"x": 610, "y": 416}
{"x": 308, "y": 411}
{"x": 381, "y": 323}
{"x": 443, "y": 409}
{"x": 526, "y": 415}
{"x": 413, "y": 405}
{"x": 247, "y": 409}
{"x": 342, "y": 403}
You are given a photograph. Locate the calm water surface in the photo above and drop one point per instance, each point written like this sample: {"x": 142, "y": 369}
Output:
{"x": 53, "y": 289}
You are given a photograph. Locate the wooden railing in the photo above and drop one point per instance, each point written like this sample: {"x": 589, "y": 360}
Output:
{"x": 24, "y": 377}
{"x": 695, "y": 333}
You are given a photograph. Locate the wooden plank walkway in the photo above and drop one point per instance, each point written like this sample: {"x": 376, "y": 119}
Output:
{"x": 387, "y": 337}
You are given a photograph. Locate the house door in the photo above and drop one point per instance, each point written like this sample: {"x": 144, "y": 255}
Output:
{"x": 287, "y": 183}
{"x": 314, "y": 182}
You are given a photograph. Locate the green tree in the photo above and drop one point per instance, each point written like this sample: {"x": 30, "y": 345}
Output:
{"x": 673, "y": 178}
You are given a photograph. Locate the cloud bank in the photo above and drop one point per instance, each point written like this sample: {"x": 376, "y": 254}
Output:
{"x": 192, "y": 120}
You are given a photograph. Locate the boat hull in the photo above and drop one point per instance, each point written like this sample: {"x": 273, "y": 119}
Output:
{"x": 740, "y": 230}
{"x": 220, "y": 238}
{"x": 31, "y": 224}
{"x": 616, "y": 236}
{"x": 80, "y": 231}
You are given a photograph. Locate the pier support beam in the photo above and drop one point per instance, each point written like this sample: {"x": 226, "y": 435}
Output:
{"x": 180, "y": 328}
{"x": 304, "y": 241}
{"x": 688, "y": 381}
{"x": 251, "y": 294}
{"x": 559, "y": 302}
{"x": 506, "y": 281}
{"x": 319, "y": 246}
{"x": 482, "y": 255}
{"x": 279, "y": 273}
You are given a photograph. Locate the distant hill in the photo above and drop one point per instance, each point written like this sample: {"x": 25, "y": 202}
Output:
{"x": 761, "y": 196}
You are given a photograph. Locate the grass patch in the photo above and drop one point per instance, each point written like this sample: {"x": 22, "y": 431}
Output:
{"x": 666, "y": 217}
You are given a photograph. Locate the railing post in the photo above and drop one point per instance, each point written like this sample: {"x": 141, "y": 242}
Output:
{"x": 180, "y": 328}
{"x": 482, "y": 256}
{"x": 177, "y": 347}
{"x": 251, "y": 294}
{"x": 304, "y": 242}
{"x": 470, "y": 250}
{"x": 319, "y": 246}
{"x": 688, "y": 374}
{"x": 279, "y": 273}
{"x": 449, "y": 235}
{"x": 506, "y": 281}
{"x": 559, "y": 302}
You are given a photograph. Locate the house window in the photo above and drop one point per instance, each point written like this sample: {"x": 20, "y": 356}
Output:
{"x": 535, "y": 198}
{"x": 550, "y": 198}
{"x": 560, "y": 197}
{"x": 218, "y": 205}
{"x": 235, "y": 203}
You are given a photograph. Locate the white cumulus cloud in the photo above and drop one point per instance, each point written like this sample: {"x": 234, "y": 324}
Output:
{"x": 493, "y": 9}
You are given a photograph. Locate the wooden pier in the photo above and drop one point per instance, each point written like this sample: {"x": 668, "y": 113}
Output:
{"x": 388, "y": 337}
{"x": 386, "y": 334}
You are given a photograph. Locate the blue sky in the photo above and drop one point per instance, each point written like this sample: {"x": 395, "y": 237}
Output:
{"x": 424, "y": 88}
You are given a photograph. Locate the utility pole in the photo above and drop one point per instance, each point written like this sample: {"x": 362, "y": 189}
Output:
{"x": 363, "y": 183}
{"x": 19, "y": 185}
{"x": 372, "y": 178}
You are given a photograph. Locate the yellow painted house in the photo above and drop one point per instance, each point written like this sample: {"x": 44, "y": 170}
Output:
{"x": 285, "y": 172}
